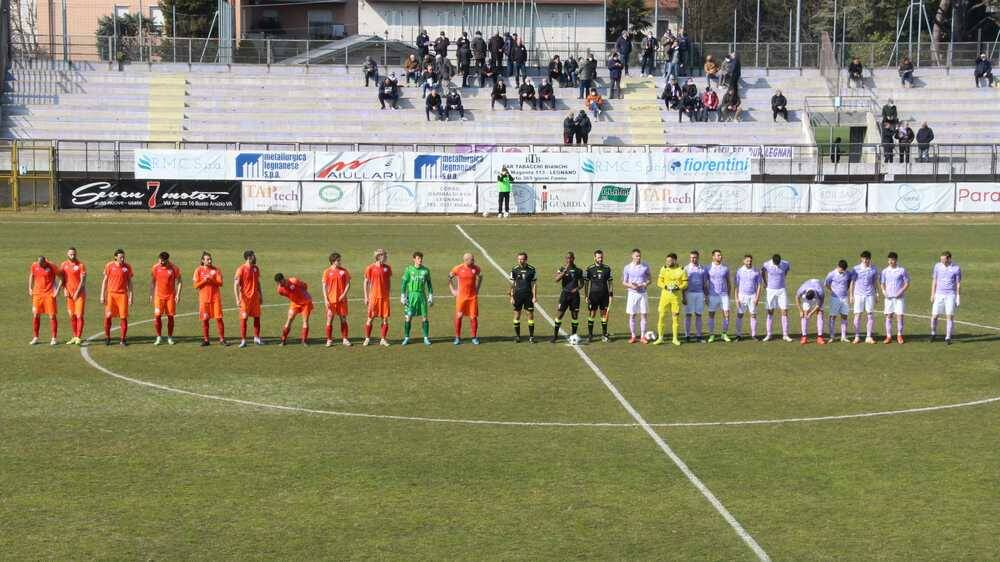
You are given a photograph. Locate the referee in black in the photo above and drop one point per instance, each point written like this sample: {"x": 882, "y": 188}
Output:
{"x": 571, "y": 278}
{"x": 523, "y": 295}
{"x": 597, "y": 287}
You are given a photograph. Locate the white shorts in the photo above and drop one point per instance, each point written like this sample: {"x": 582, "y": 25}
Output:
{"x": 776, "y": 298}
{"x": 838, "y": 306}
{"x": 715, "y": 302}
{"x": 636, "y": 303}
{"x": 864, "y": 304}
{"x": 745, "y": 304}
{"x": 808, "y": 306}
{"x": 947, "y": 302}
{"x": 695, "y": 304}
{"x": 894, "y": 306}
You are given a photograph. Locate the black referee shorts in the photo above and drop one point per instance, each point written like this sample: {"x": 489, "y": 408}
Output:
{"x": 523, "y": 302}
{"x": 569, "y": 301}
{"x": 599, "y": 301}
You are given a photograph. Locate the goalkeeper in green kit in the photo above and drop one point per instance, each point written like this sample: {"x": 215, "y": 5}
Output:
{"x": 416, "y": 294}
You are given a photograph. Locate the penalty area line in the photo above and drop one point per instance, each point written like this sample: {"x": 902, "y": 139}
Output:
{"x": 744, "y": 535}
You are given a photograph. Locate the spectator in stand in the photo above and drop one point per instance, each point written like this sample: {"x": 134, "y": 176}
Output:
{"x": 779, "y": 106}
{"x": 683, "y": 48}
{"x": 441, "y": 45}
{"x": 648, "y": 62}
{"x": 430, "y": 80}
{"x": 588, "y": 72}
{"x": 463, "y": 51}
{"x": 890, "y": 114}
{"x": 735, "y": 69}
{"x": 571, "y": 73}
{"x": 984, "y": 70}
{"x": 835, "y": 150}
{"x": 730, "y": 105}
{"x": 595, "y": 103}
{"x": 709, "y": 104}
{"x": 924, "y": 137}
{"x": 520, "y": 55}
{"x": 526, "y": 93}
{"x": 854, "y": 72}
{"x": 499, "y": 93}
{"x": 888, "y": 137}
{"x": 905, "y": 136}
{"x": 569, "y": 127}
{"x": 495, "y": 49}
{"x": 672, "y": 93}
{"x": 423, "y": 44}
{"x": 725, "y": 71}
{"x": 453, "y": 101}
{"x": 487, "y": 72}
{"x": 371, "y": 71}
{"x": 615, "y": 68}
{"x": 428, "y": 60}
{"x": 546, "y": 94}
{"x": 672, "y": 60}
{"x": 445, "y": 70}
{"x": 411, "y": 68}
{"x": 508, "y": 49}
{"x": 433, "y": 103}
{"x": 711, "y": 71}
{"x": 581, "y": 127}
{"x": 906, "y": 72}
{"x": 389, "y": 91}
{"x": 691, "y": 88}
{"x": 556, "y": 70}
{"x": 690, "y": 105}
{"x": 623, "y": 45}
{"x": 478, "y": 47}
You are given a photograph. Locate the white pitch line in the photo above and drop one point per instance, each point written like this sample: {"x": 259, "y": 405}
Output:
{"x": 744, "y": 535}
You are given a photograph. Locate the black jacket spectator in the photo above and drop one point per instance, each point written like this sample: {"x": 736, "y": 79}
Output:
{"x": 499, "y": 93}
{"x": 495, "y": 48}
{"x": 569, "y": 128}
{"x": 556, "y": 69}
{"x": 906, "y": 72}
{"x": 615, "y": 69}
{"x": 434, "y": 104}
{"x": 690, "y": 106}
{"x": 370, "y": 69}
{"x": 904, "y": 135}
{"x": 444, "y": 68}
{"x": 487, "y": 72}
{"x": 854, "y": 71}
{"x": 888, "y": 141}
{"x": 779, "y": 106}
{"x": 478, "y": 49}
{"x": 423, "y": 44}
{"x": 648, "y": 62}
{"x": 890, "y": 114}
{"x": 546, "y": 95}
{"x": 984, "y": 70}
{"x": 389, "y": 91}
{"x": 730, "y": 106}
{"x": 570, "y": 69}
{"x": 671, "y": 95}
{"x": 624, "y": 47}
{"x": 464, "y": 54}
{"x": 441, "y": 45}
{"x": 924, "y": 137}
{"x": 453, "y": 101}
{"x": 581, "y": 127}
{"x": 526, "y": 93}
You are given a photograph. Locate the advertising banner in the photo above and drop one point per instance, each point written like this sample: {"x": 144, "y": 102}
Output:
{"x": 545, "y": 167}
{"x": 522, "y": 198}
{"x": 269, "y": 165}
{"x": 446, "y": 197}
{"x": 623, "y": 167}
{"x": 706, "y": 167}
{"x": 911, "y": 197}
{"x": 563, "y": 198}
{"x": 271, "y": 196}
{"x": 781, "y": 198}
{"x": 978, "y": 198}
{"x": 180, "y": 164}
{"x": 389, "y": 197}
{"x": 838, "y": 198}
{"x": 92, "y": 193}
{"x": 666, "y": 198}
{"x": 723, "y": 198}
{"x": 331, "y": 197}
{"x": 613, "y": 198}
{"x": 448, "y": 166}
{"x": 769, "y": 152}
{"x": 358, "y": 166}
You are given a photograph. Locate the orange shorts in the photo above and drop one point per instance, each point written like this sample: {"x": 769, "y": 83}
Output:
{"x": 336, "y": 308}
{"x": 250, "y": 308}
{"x": 43, "y": 304}
{"x": 467, "y": 307}
{"x": 378, "y": 308}
{"x": 164, "y": 305}
{"x": 303, "y": 309}
{"x": 117, "y": 305}
{"x": 210, "y": 309}
{"x": 76, "y": 307}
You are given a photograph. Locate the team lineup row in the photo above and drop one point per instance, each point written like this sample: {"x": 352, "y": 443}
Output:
{"x": 690, "y": 290}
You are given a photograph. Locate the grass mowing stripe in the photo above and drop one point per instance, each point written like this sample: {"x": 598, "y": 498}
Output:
{"x": 744, "y": 535}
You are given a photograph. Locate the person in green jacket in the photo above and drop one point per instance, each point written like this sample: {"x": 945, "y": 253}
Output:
{"x": 504, "y": 181}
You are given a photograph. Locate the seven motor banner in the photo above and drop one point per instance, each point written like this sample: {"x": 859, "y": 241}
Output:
{"x": 138, "y": 194}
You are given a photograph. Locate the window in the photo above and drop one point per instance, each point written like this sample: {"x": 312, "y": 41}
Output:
{"x": 320, "y": 24}
{"x": 156, "y": 16}
{"x": 121, "y": 11}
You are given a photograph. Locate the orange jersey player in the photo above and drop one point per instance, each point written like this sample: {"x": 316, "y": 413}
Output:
{"x": 44, "y": 281}
{"x": 164, "y": 294}
{"x": 378, "y": 281}
{"x": 464, "y": 281}
{"x": 336, "y": 284}
{"x": 299, "y": 302}
{"x": 116, "y": 295}
{"x": 208, "y": 280}
{"x": 246, "y": 286}
{"x": 74, "y": 278}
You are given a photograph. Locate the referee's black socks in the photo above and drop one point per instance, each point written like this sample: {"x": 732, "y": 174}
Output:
{"x": 590, "y": 327}
{"x": 555, "y": 332}
{"x": 517, "y": 327}
{"x": 576, "y": 325}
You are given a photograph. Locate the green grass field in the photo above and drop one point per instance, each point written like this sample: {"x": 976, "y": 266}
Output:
{"x": 500, "y": 451}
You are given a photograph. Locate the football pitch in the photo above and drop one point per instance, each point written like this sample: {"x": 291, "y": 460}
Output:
{"x": 723, "y": 451}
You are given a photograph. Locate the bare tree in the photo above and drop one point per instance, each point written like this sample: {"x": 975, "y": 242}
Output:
{"x": 24, "y": 25}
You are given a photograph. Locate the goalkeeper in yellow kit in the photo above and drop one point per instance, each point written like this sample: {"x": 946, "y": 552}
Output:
{"x": 673, "y": 280}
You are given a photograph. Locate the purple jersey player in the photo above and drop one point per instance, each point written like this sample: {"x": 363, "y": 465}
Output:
{"x": 748, "y": 285}
{"x": 894, "y": 280}
{"x": 718, "y": 295}
{"x": 636, "y": 276}
{"x": 694, "y": 295}
{"x": 946, "y": 294}
{"x": 838, "y": 282}
{"x": 864, "y": 295}
{"x": 809, "y": 301}
{"x": 774, "y": 273}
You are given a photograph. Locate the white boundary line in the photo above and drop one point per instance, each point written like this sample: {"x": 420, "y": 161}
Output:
{"x": 649, "y": 220}
{"x": 660, "y": 442}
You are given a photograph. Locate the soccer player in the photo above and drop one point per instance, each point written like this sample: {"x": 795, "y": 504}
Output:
{"x": 773, "y": 275}
{"x": 208, "y": 280}
{"x": 164, "y": 294}
{"x": 523, "y": 295}
{"x": 416, "y": 293}
{"x": 863, "y": 294}
{"x": 895, "y": 280}
{"x": 838, "y": 282}
{"x": 695, "y": 295}
{"x": 809, "y": 301}
{"x": 116, "y": 295}
{"x": 299, "y": 302}
{"x": 44, "y": 281}
{"x": 719, "y": 287}
{"x": 946, "y": 294}
{"x": 673, "y": 281}
{"x": 748, "y": 285}
{"x": 464, "y": 281}
{"x": 377, "y": 288}
{"x": 597, "y": 288}
{"x": 249, "y": 297}
{"x": 636, "y": 277}
{"x": 570, "y": 276}
{"x": 74, "y": 279}
{"x": 336, "y": 284}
